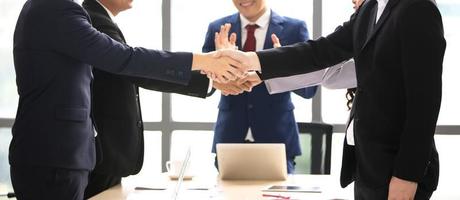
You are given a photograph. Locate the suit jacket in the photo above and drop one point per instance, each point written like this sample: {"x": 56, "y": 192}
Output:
{"x": 270, "y": 117}
{"x": 54, "y": 48}
{"x": 398, "y": 69}
{"x": 116, "y": 108}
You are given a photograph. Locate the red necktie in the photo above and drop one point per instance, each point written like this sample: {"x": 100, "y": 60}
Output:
{"x": 250, "y": 44}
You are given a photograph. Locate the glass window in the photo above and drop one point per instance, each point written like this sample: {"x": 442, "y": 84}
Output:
{"x": 147, "y": 34}
{"x": 9, "y": 12}
{"x": 334, "y": 109}
{"x": 182, "y": 16}
{"x": 200, "y": 142}
{"x": 152, "y": 153}
{"x": 5, "y": 181}
{"x": 450, "y": 11}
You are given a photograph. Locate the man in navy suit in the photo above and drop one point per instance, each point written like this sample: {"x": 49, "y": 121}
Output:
{"x": 258, "y": 116}
{"x": 53, "y": 150}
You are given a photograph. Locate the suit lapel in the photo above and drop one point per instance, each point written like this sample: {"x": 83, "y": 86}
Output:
{"x": 275, "y": 26}
{"x": 236, "y": 28}
{"x": 381, "y": 21}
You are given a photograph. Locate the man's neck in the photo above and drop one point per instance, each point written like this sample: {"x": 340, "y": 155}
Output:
{"x": 108, "y": 7}
{"x": 255, "y": 18}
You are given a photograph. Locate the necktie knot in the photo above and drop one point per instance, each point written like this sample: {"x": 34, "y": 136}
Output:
{"x": 251, "y": 27}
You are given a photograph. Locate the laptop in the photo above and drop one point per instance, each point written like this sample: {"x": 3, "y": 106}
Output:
{"x": 180, "y": 179}
{"x": 249, "y": 161}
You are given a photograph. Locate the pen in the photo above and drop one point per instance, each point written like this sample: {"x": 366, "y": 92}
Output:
{"x": 148, "y": 188}
{"x": 278, "y": 197}
{"x": 8, "y": 195}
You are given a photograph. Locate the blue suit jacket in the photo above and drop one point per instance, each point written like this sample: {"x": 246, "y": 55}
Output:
{"x": 54, "y": 48}
{"x": 270, "y": 117}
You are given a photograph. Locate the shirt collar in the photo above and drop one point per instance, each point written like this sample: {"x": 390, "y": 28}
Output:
{"x": 261, "y": 22}
{"x": 382, "y": 2}
{"x": 107, "y": 10}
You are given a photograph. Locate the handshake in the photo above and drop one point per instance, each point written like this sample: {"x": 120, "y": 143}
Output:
{"x": 231, "y": 70}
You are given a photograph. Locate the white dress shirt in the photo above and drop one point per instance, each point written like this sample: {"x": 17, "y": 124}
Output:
{"x": 260, "y": 34}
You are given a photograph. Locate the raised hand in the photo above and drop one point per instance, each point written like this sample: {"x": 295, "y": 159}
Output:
{"x": 222, "y": 40}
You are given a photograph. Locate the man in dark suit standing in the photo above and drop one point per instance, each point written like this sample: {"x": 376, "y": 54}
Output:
{"x": 53, "y": 149}
{"x": 116, "y": 108}
{"x": 398, "y": 47}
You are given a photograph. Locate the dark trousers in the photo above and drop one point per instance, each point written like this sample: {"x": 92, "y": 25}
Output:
{"x": 99, "y": 182}
{"x": 363, "y": 192}
{"x": 47, "y": 183}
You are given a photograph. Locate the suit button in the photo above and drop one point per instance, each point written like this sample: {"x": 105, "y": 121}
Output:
{"x": 139, "y": 124}
{"x": 250, "y": 106}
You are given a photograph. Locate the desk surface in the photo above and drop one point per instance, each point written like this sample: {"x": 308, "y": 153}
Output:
{"x": 212, "y": 188}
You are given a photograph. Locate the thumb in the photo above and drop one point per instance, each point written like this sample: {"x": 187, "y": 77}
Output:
{"x": 276, "y": 41}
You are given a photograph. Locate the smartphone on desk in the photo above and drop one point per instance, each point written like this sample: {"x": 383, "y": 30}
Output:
{"x": 292, "y": 188}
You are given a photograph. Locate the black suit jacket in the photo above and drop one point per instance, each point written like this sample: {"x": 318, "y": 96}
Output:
{"x": 398, "y": 69}
{"x": 116, "y": 109}
{"x": 55, "y": 46}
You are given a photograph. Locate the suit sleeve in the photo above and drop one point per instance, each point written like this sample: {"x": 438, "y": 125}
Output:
{"x": 422, "y": 48}
{"x": 76, "y": 38}
{"x": 307, "y": 92}
{"x": 197, "y": 86}
{"x": 309, "y": 56}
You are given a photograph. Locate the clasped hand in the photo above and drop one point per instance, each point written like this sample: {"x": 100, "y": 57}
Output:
{"x": 226, "y": 48}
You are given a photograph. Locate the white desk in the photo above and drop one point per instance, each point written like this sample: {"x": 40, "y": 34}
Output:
{"x": 223, "y": 190}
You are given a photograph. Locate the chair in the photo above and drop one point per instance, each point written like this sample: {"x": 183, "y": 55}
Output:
{"x": 316, "y": 143}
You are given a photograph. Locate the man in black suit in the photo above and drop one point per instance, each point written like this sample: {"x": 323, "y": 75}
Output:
{"x": 398, "y": 47}
{"x": 116, "y": 108}
{"x": 55, "y": 47}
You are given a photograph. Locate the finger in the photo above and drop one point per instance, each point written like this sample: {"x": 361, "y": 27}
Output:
{"x": 245, "y": 86}
{"x": 237, "y": 68}
{"x": 228, "y": 75}
{"x": 234, "y": 89}
{"x": 217, "y": 43}
{"x": 276, "y": 41}
{"x": 242, "y": 80}
{"x": 227, "y": 30}
{"x": 233, "y": 39}
{"x": 248, "y": 85}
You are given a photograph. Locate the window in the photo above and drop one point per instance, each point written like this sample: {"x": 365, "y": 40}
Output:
{"x": 5, "y": 181}
{"x": 148, "y": 35}
{"x": 450, "y": 11}
{"x": 9, "y": 12}
{"x": 333, "y": 103}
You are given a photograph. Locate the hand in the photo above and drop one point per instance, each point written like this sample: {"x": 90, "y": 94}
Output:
{"x": 248, "y": 60}
{"x": 232, "y": 87}
{"x": 221, "y": 39}
{"x": 276, "y": 41}
{"x": 251, "y": 79}
{"x": 220, "y": 69}
{"x": 401, "y": 189}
